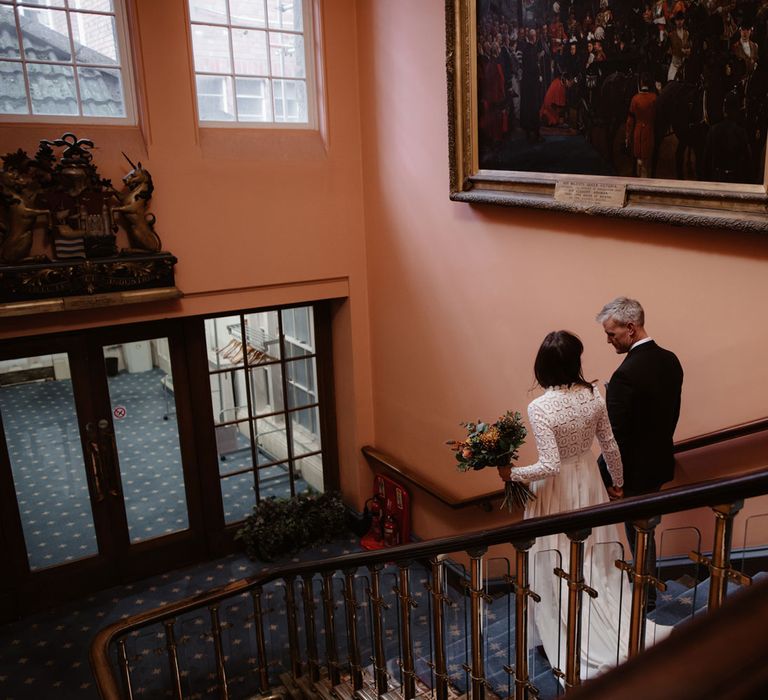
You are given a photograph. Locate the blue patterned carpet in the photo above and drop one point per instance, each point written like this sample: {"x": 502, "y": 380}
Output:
{"x": 41, "y": 429}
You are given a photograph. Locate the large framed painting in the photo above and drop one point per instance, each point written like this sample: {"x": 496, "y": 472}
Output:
{"x": 654, "y": 110}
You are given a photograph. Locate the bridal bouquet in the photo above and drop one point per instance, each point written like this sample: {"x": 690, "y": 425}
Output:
{"x": 495, "y": 445}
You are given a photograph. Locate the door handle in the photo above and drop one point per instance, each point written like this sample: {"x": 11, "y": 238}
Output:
{"x": 94, "y": 461}
{"x": 109, "y": 449}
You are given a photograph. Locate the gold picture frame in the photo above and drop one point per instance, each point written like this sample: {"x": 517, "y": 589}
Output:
{"x": 742, "y": 207}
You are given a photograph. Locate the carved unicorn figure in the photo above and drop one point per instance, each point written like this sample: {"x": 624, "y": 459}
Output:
{"x": 132, "y": 212}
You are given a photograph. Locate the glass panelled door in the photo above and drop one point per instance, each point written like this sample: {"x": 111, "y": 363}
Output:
{"x": 93, "y": 487}
{"x": 47, "y": 459}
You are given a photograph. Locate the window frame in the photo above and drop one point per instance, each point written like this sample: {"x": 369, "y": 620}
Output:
{"x": 309, "y": 20}
{"x": 125, "y": 65}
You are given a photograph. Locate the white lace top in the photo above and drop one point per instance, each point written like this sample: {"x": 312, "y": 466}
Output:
{"x": 565, "y": 421}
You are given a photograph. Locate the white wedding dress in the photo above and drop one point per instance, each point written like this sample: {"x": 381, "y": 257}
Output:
{"x": 565, "y": 422}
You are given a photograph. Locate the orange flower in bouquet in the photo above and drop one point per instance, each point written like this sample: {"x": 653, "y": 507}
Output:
{"x": 495, "y": 445}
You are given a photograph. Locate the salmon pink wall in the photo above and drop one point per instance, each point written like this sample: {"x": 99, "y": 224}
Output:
{"x": 255, "y": 216}
{"x": 461, "y": 296}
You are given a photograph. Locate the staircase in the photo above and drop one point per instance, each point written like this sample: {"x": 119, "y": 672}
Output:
{"x": 406, "y": 622}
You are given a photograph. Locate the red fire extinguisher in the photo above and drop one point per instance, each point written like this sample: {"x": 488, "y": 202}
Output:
{"x": 391, "y": 534}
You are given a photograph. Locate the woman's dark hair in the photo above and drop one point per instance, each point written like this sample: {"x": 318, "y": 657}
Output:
{"x": 558, "y": 362}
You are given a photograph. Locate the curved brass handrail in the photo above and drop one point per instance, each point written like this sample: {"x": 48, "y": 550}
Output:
{"x": 387, "y": 464}
{"x": 682, "y": 498}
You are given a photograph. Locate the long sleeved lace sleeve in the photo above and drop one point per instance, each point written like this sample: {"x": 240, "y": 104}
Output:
{"x": 609, "y": 446}
{"x": 549, "y": 454}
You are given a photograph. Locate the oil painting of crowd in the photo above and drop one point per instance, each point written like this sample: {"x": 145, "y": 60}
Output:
{"x": 672, "y": 89}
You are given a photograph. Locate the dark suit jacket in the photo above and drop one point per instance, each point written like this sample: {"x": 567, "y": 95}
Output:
{"x": 643, "y": 400}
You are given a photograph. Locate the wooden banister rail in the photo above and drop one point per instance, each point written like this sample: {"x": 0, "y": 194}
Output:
{"x": 704, "y": 493}
{"x": 382, "y": 462}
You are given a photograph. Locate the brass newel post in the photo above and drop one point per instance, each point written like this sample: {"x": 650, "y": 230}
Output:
{"x": 221, "y": 672}
{"x": 125, "y": 669}
{"x": 403, "y": 591}
{"x": 520, "y": 586}
{"x": 641, "y": 578}
{"x": 477, "y": 598}
{"x": 293, "y": 627}
{"x": 378, "y": 605}
{"x": 258, "y": 620}
{"x": 173, "y": 658}
{"x": 309, "y": 626}
{"x": 438, "y": 600}
{"x": 329, "y": 608}
{"x": 352, "y": 644}
{"x": 576, "y": 587}
{"x": 720, "y": 570}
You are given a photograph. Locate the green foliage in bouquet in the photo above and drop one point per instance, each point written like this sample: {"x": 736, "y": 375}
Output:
{"x": 490, "y": 445}
{"x": 282, "y": 526}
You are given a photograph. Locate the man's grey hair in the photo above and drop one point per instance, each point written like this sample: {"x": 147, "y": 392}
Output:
{"x": 623, "y": 310}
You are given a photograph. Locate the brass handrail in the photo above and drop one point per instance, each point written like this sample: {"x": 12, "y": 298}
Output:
{"x": 681, "y": 498}
{"x": 380, "y": 461}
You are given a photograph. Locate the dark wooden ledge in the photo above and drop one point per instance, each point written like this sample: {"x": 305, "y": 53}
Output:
{"x": 383, "y": 463}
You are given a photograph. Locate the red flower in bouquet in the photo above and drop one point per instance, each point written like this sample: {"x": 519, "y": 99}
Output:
{"x": 495, "y": 445}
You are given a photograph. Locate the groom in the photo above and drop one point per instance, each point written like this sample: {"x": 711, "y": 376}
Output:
{"x": 643, "y": 399}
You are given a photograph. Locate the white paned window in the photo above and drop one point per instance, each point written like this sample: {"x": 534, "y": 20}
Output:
{"x": 253, "y": 62}
{"x": 65, "y": 58}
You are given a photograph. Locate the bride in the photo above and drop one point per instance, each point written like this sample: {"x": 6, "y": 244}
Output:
{"x": 565, "y": 421}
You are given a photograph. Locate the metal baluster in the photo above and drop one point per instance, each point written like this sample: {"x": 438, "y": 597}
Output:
{"x": 576, "y": 587}
{"x": 331, "y": 650}
{"x": 403, "y": 591}
{"x": 293, "y": 627}
{"x": 720, "y": 570}
{"x": 311, "y": 632}
{"x": 438, "y": 600}
{"x": 221, "y": 672}
{"x": 641, "y": 579}
{"x": 378, "y": 605}
{"x": 173, "y": 658}
{"x": 523, "y": 686}
{"x": 477, "y": 597}
{"x": 258, "y": 619}
{"x": 352, "y": 644}
{"x": 125, "y": 669}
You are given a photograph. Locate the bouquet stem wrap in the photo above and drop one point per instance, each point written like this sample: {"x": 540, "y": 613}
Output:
{"x": 516, "y": 494}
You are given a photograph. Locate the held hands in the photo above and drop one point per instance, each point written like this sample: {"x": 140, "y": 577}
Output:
{"x": 615, "y": 492}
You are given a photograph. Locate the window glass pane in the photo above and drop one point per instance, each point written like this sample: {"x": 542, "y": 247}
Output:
{"x": 228, "y": 393}
{"x": 222, "y": 346}
{"x": 306, "y": 430}
{"x": 247, "y": 12}
{"x": 272, "y": 439}
{"x": 233, "y": 445}
{"x": 13, "y": 94}
{"x": 254, "y": 101}
{"x": 9, "y": 40}
{"x": 95, "y": 38}
{"x": 214, "y": 98}
{"x": 97, "y": 5}
{"x": 238, "y": 497}
{"x": 211, "y": 49}
{"x": 309, "y": 470}
{"x": 263, "y": 337}
{"x": 285, "y": 14}
{"x": 287, "y": 52}
{"x": 302, "y": 387}
{"x": 101, "y": 92}
{"x": 46, "y": 3}
{"x": 267, "y": 389}
{"x": 250, "y": 49}
{"x": 275, "y": 482}
{"x": 45, "y": 34}
{"x": 52, "y": 88}
{"x": 290, "y": 100}
{"x": 208, "y": 11}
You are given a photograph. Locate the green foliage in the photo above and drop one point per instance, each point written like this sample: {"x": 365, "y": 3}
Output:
{"x": 282, "y": 526}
